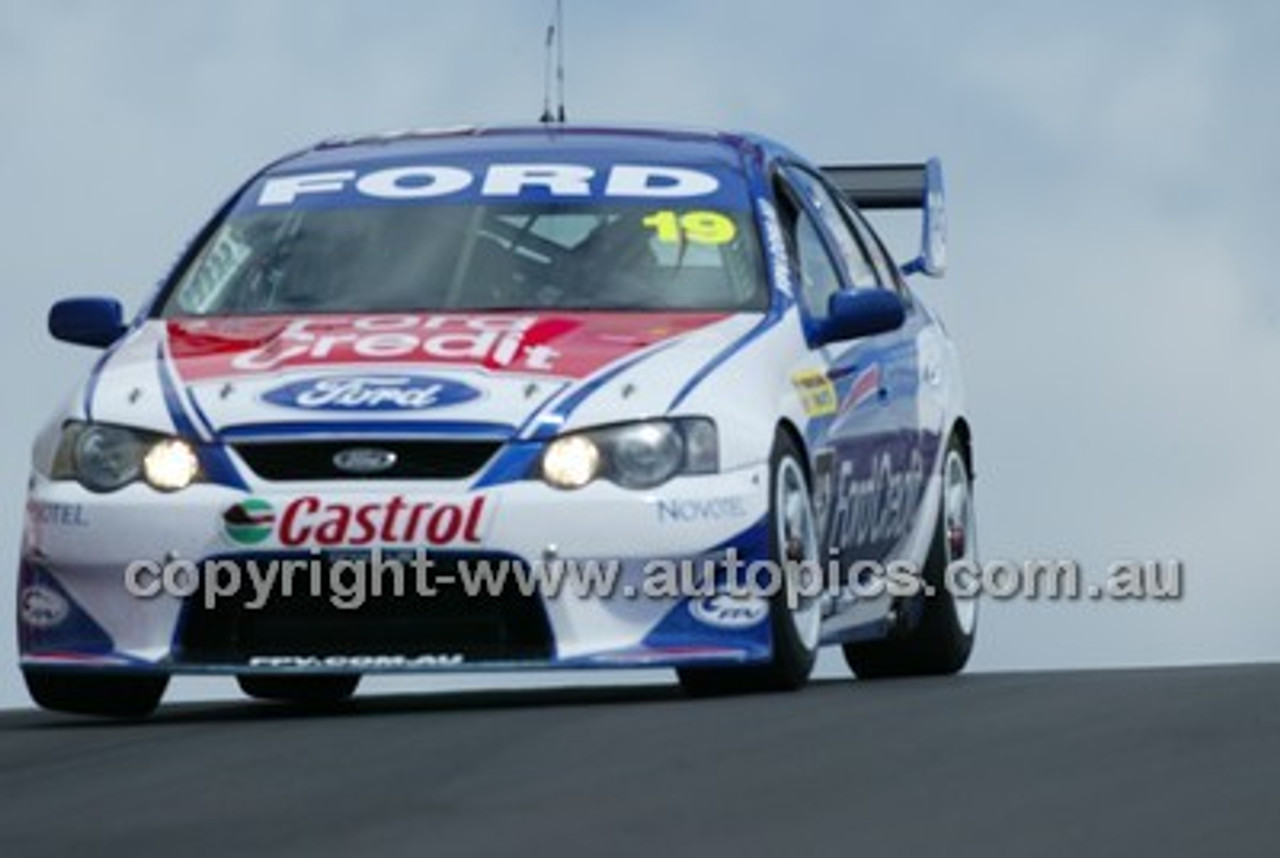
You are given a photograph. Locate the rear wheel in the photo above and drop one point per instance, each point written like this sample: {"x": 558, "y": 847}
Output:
{"x": 793, "y": 620}
{"x": 936, "y": 635}
{"x": 312, "y": 689}
{"x": 110, "y": 695}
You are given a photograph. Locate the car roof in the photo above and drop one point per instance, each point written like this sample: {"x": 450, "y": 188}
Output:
{"x": 618, "y": 143}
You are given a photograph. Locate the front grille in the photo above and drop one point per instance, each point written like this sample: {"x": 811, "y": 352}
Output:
{"x": 505, "y": 627}
{"x": 414, "y": 460}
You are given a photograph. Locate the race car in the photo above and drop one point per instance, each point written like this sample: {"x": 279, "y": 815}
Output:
{"x": 501, "y": 398}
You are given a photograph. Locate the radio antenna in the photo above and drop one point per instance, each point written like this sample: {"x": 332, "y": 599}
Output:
{"x": 555, "y": 39}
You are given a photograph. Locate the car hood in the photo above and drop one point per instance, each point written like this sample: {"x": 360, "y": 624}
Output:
{"x": 498, "y": 374}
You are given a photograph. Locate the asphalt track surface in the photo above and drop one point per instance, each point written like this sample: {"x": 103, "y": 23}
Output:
{"x": 1151, "y": 762}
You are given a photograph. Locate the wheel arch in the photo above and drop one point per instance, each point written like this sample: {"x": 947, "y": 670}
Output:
{"x": 790, "y": 429}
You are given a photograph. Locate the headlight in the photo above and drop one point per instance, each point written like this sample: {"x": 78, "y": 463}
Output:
{"x": 646, "y": 454}
{"x": 634, "y": 455}
{"x": 105, "y": 458}
{"x": 170, "y": 465}
{"x": 571, "y": 462}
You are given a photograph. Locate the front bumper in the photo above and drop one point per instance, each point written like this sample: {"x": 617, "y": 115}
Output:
{"x": 79, "y": 609}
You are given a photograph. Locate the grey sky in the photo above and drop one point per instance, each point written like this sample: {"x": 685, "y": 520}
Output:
{"x": 1110, "y": 169}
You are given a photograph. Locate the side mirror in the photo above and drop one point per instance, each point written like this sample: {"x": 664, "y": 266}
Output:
{"x": 96, "y": 322}
{"x": 862, "y": 313}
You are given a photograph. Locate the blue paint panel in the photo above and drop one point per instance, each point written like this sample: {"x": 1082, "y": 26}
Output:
{"x": 680, "y": 629}
{"x": 76, "y": 633}
{"x": 514, "y": 463}
{"x": 217, "y": 467}
{"x": 750, "y": 544}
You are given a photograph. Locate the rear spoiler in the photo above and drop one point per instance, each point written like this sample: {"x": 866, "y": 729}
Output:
{"x": 902, "y": 186}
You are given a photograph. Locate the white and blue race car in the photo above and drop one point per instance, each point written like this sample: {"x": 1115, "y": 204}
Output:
{"x": 497, "y": 398}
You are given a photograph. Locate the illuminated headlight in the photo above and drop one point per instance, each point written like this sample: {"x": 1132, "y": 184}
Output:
{"x": 105, "y": 458}
{"x": 571, "y": 462}
{"x": 170, "y": 465}
{"x": 633, "y": 455}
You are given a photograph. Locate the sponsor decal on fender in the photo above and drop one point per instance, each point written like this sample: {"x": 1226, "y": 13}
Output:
{"x": 710, "y": 509}
{"x": 56, "y": 514}
{"x": 779, "y": 265}
{"x": 865, "y": 387}
{"x": 880, "y": 507}
{"x": 310, "y": 520}
{"x": 399, "y": 392}
{"x": 817, "y": 393}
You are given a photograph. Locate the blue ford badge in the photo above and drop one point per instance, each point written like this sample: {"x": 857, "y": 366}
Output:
{"x": 400, "y": 392}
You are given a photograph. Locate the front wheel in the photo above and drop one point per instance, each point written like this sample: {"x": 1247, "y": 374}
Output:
{"x": 793, "y": 620}
{"x": 936, "y": 635}
{"x": 83, "y": 693}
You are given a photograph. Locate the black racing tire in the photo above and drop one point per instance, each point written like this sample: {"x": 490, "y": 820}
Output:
{"x": 309, "y": 689}
{"x": 111, "y": 695}
{"x": 939, "y": 640}
{"x": 793, "y": 658}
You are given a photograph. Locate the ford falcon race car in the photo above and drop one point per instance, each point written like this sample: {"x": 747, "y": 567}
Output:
{"x": 498, "y": 398}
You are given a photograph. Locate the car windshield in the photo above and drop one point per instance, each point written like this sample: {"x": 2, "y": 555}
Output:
{"x": 570, "y": 255}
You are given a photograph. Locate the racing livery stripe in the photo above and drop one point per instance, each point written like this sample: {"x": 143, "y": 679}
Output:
{"x": 513, "y": 463}
{"x": 546, "y": 425}
{"x": 865, "y": 386}
{"x": 209, "y": 431}
{"x": 768, "y": 322}
{"x": 214, "y": 461}
{"x": 95, "y": 376}
{"x": 182, "y": 423}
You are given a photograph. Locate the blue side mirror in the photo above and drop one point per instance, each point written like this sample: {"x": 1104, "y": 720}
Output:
{"x": 862, "y": 313}
{"x": 96, "y": 322}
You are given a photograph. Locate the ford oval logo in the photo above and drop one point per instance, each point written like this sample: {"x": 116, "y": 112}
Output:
{"x": 42, "y": 607}
{"x": 725, "y": 611}
{"x": 391, "y": 392}
{"x": 364, "y": 460}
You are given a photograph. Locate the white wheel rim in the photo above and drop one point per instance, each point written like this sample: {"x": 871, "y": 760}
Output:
{"x": 960, "y": 533}
{"x": 798, "y": 544}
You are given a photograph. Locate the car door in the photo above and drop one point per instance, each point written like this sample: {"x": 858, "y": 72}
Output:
{"x": 868, "y": 466}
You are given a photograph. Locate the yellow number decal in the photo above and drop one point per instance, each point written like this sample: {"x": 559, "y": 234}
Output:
{"x": 700, "y": 227}
{"x": 703, "y": 227}
{"x": 664, "y": 224}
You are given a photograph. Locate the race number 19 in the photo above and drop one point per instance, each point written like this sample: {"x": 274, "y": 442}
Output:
{"x": 700, "y": 227}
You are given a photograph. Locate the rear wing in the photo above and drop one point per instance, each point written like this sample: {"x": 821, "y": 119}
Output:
{"x": 902, "y": 186}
